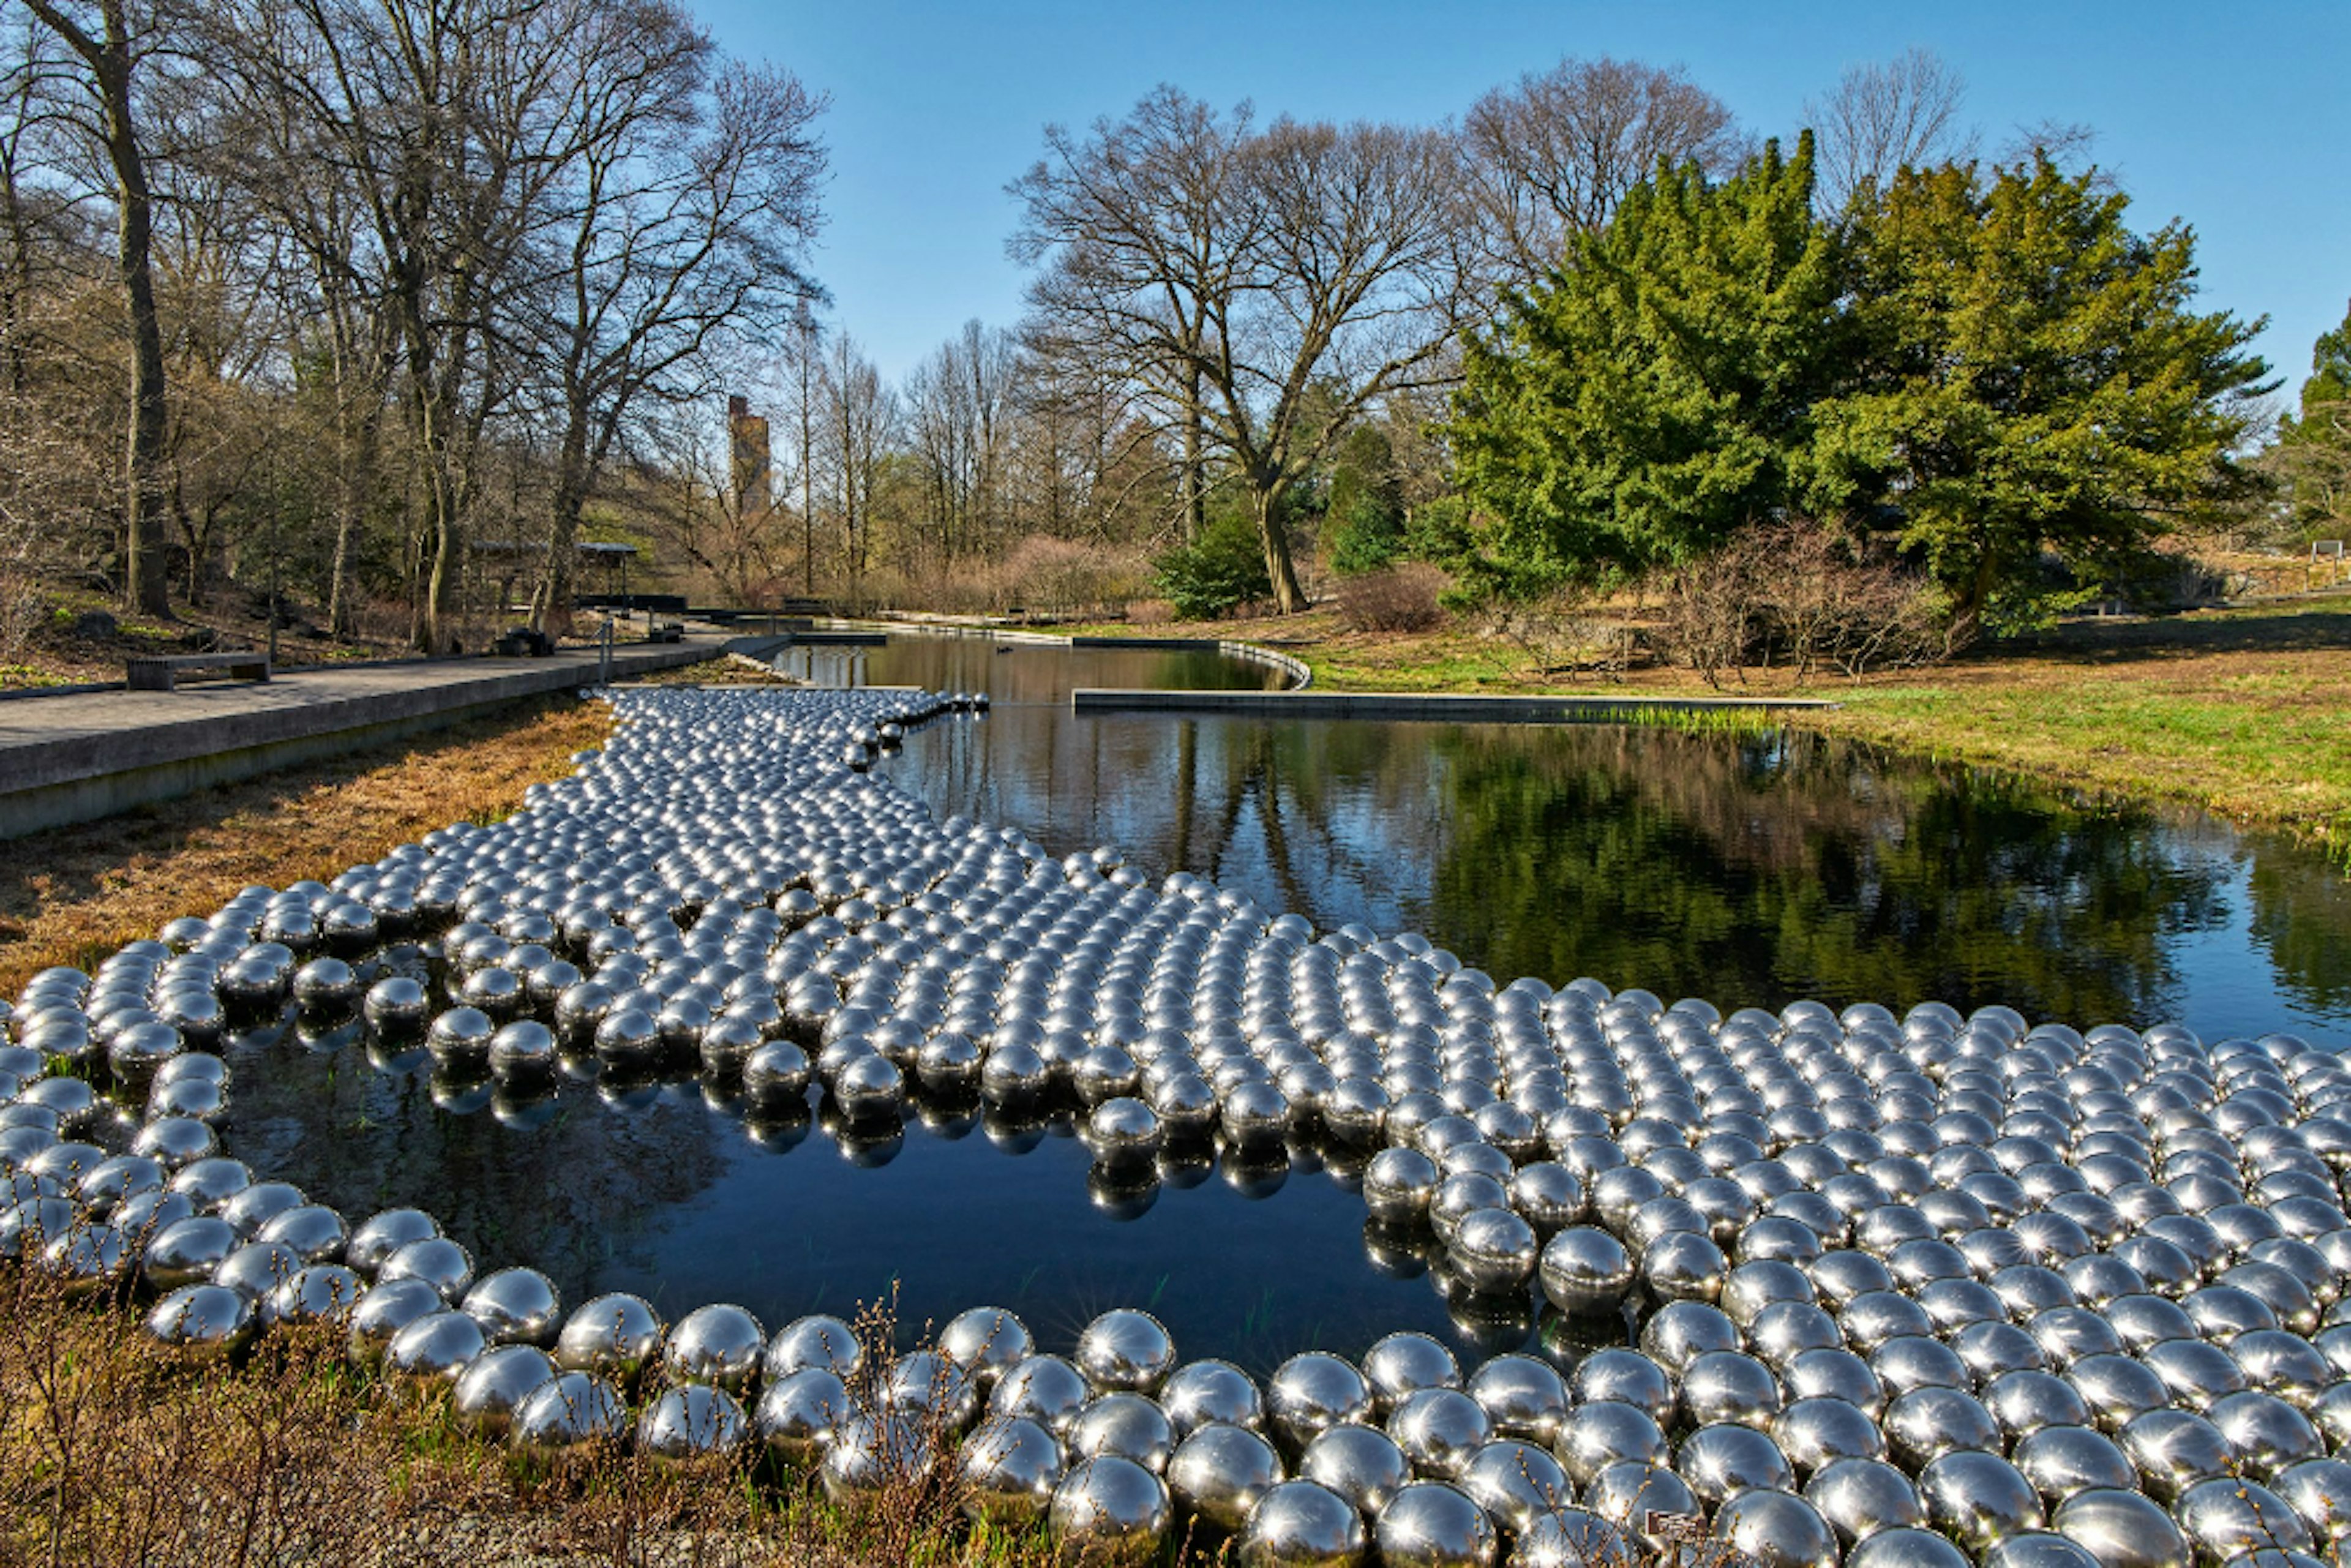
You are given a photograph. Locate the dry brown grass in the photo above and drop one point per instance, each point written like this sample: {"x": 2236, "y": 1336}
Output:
{"x": 112, "y": 1452}
{"x": 73, "y": 894}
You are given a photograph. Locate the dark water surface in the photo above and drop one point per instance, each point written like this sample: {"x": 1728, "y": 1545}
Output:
{"x": 1750, "y": 870}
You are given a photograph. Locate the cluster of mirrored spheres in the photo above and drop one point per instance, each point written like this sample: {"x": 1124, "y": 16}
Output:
{"x": 1895, "y": 1292}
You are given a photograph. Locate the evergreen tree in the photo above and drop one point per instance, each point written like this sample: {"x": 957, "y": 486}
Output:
{"x": 2030, "y": 377}
{"x": 1657, "y": 390}
{"x": 2314, "y": 450}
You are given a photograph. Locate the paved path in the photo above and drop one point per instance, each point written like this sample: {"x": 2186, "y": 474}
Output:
{"x": 85, "y": 754}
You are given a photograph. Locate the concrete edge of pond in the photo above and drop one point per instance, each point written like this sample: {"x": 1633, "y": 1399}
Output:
{"x": 75, "y": 760}
{"x": 1454, "y": 707}
{"x": 1301, "y": 675}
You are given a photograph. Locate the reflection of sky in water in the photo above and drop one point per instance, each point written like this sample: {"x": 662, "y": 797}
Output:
{"x": 1742, "y": 871}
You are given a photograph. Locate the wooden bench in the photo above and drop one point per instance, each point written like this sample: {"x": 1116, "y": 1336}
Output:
{"x": 162, "y": 674}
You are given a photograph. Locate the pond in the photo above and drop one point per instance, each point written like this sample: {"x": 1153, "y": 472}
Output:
{"x": 1748, "y": 870}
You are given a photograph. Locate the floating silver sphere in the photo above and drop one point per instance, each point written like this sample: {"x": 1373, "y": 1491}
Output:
{"x": 313, "y": 1231}
{"x": 1494, "y": 1249}
{"x": 1201, "y": 1392}
{"x": 989, "y": 1341}
{"x": 2226, "y": 1518}
{"x": 2036, "y": 1548}
{"x": 695, "y": 1426}
{"x": 380, "y": 1236}
{"x": 1586, "y": 1270}
{"x": 202, "y": 1322}
{"x": 1627, "y": 1494}
{"x": 523, "y": 1052}
{"x": 776, "y": 1072}
{"x": 799, "y": 1412}
{"x": 1218, "y": 1472}
{"x": 2172, "y": 1450}
{"x": 1515, "y": 1483}
{"x": 1130, "y": 1426}
{"x": 1402, "y": 1364}
{"x": 1818, "y": 1432}
{"x": 1439, "y": 1430}
{"x": 1312, "y": 1392}
{"x": 1110, "y": 1512}
{"x": 1978, "y": 1498}
{"x": 617, "y": 1335}
{"x": 187, "y": 1252}
{"x": 1905, "y": 1547}
{"x": 1010, "y": 1469}
{"x": 2122, "y": 1528}
{"x": 319, "y": 1293}
{"x": 2268, "y": 1434}
{"x": 436, "y": 1347}
{"x": 1618, "y": 1373}
{"x": 1125, "y": 1349}
{"x": 1362, "y": 1464}
{"x": 1683, "y": 1266}
{"x": 514, "y": 1306}
{"x": 719, "y": 1344}
{"x": 1124, "y": 1131}
{"x": 1725, "y": 1386}
{"x": 1431, "y": 1525}
{"x": 1014, "y": 1075}
{"x": 1776, "y": 1530}
{"x": 257, "y": 1268}
{"x": 1571, "y": 1537}
{"x": 2060, "y": 1461}
{"x": 384, "y": 1310}
{"x": 1044, "y": 1390}
{"x": 1860, "y": 1497}
{"x": 1398, "y": 1185}
{"x": 1302, "y": 1524}
{"x": 2320, "y": 1492}
{"x": 495, "y": 1383}
{"x": 397, "y": 1007}
{"x": 437, "y": 1260}
{"x": 1720, "y": 1460}
{"x": 817, "y": 1341}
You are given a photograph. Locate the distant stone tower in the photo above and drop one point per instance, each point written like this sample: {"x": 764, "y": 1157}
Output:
{"x": 747, "y": 435}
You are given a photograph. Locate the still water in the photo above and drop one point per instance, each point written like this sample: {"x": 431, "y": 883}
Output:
{"x": 1750, "y": 870}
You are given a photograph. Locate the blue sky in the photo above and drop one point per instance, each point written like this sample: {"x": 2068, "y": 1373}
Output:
{"x": 2228, "y": 116}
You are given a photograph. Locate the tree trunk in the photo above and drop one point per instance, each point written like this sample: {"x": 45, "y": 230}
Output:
{"x": 1288, "y": 599}
{"x": 1194, "y": 488}
{"x": 109, "y": 59}
{"x": 554, "y": 615}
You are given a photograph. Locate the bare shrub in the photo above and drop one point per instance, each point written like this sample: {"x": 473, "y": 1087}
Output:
{"x": 1396, "y": 599}
{"x": 1800, "y": 592}
{"x": 1065, "y": 577}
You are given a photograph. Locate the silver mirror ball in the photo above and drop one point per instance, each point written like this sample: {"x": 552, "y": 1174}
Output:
{"x": 1918, "y": 1289}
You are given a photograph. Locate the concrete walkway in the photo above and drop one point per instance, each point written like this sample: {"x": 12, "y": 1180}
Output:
{"x": 79, "y": 756}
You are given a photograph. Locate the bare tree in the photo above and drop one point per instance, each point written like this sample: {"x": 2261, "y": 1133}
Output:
{"x": 114, "y": 47}
{"x": 1554, "y": 153}
{"x": 860, "y": 428}
{"x": 957, "y": 409}
{"x": 1882, "y": 116}
{"x": 689, "y": 193}
{"x": 1269, "y": 286}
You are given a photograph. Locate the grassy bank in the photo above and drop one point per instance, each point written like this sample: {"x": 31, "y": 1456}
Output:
{"x": 73, "y": 894}
{"x": 2245, "y": 712}
{"x": 297, "y": 1453}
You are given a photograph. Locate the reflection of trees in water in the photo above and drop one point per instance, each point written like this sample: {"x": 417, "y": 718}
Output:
{"x": 2302, "y": 918}
{"x": 1740, "y": 869}
{"x": 587, "y": 1186}
{"x": 1764, "y": 868}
